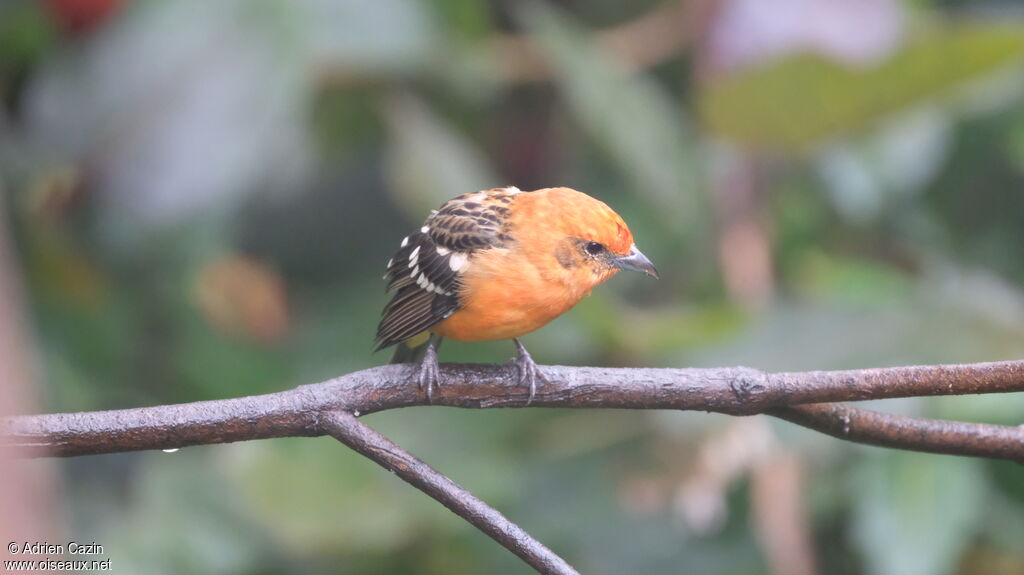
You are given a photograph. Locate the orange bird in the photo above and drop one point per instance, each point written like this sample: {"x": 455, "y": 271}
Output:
{"x": 499, "y": 264}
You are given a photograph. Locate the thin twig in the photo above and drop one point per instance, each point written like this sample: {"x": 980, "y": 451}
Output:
{"x": 344, "y": 427}
{"x": 296, "y": 412}
{"x": 913, "y": 433}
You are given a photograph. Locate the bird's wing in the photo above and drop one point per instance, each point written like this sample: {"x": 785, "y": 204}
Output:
{"x": 425, "y": 273}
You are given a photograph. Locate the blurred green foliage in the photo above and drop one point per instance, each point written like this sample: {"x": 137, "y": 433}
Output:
{"x": 805, "y": 99}
{"x": 203, "y": 195}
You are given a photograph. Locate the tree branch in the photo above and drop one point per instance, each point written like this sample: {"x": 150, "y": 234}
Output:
{"x": 913, "y": 433}
{"x": 736, "y": 391}
{"x": 344, "y": 427}
{"x": 331, "y": 408}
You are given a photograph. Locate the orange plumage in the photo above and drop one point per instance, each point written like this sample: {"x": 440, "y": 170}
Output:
{"x": 509, "y": 292}
{"x": 501, "y": 263}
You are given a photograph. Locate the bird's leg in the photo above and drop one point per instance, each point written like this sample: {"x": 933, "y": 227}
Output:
{"x": 529, "y": 373}
{"x": 429, "y": 370}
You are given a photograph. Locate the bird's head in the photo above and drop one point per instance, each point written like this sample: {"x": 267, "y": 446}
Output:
{"x": 587, "y": 239}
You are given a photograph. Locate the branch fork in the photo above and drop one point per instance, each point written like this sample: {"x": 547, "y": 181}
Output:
{"x": 811, "y": 399}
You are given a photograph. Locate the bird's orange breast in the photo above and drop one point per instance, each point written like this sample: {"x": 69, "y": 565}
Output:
{"x": 505, "y": 294}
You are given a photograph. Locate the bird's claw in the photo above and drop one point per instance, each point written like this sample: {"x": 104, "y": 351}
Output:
{"x": 527, "y": 371}
{"x": 429, "y": 376}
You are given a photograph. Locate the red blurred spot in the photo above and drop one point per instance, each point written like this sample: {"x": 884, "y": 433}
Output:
{"x": 77, "y": 17}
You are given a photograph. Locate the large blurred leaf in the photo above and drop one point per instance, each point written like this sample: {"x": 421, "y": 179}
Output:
{"x": 430, "y": 161}
{"x": 177, "y": 514}
{"x": 630, "y": 116}
{"x": 179, "y": 107}
{"x": 317, "y": 497}
{"x": 799, "y": 101}
{"x": 915, "y": 512}
{"x": 367, "y": 36}
{"x": 24, "y": 33}
{"x": 183, "y": 107}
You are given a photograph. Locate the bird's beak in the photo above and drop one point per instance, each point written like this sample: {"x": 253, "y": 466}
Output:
{"x": 635, "y": 260}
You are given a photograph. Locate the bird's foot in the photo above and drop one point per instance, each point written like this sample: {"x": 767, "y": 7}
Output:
{"x": 430, "y": 372}
{"x": 528, "y": 372}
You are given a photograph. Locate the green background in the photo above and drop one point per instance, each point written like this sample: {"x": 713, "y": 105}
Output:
{"x": 203, "y": 195}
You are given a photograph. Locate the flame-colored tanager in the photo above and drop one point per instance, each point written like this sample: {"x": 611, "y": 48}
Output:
{"x": 498, "y": 264}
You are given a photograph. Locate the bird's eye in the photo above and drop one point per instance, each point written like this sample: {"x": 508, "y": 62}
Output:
{"x": 593, "y": 248}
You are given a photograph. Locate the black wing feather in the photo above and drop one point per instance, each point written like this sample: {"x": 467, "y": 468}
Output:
{"x": 414, "y": 309}
{"x": 421, "y": 273}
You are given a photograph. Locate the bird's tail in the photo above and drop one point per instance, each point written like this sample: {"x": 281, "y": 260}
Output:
{"x": 412, "y": 349}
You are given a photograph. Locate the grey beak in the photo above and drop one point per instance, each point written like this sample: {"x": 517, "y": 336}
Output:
{"x": 636, "y": 261}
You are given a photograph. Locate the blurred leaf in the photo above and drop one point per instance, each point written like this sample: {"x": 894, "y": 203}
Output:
{"x": 467, "y": 22}
{"x": 180, "y": 516}
{"x": 316, "y": 496}
{"x": 167, "y": 131}
{"x": 849, "y": 280}
{"x": 430, "y": 161}
{"x": 210, "y": 365}
{"x": 1015, "y": 141}
{"x": 346, "y": 120}
{"x": 634, "y": 332}
{"x": 799, "y": 101}
{"x": 1009, "y": 477}
{"x": 630, "y": 116}
{"x": 877, "y": 322}
{"x": 915, "y": 512}
{"x": 25, "y": 32}
{"x": 1004, "y": 510}
{"x": 866, "y": 179}
{"x": 366, "y": 36}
